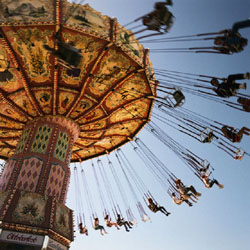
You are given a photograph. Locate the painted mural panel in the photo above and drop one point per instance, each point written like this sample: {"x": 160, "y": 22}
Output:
{"x": 113, "y": 67}
{"x": 9, "y": 111}
{"x": 93, "y": 134}
{"x": 131, "y": 89}
{"x": 83, "y": 105}
{"x": 8, "y": 79}
{"x": 123, "y": 128}
{"x": 109, "y": 142}
{"x": 21, "y": 99}
{"x": 90, "y": 151}
{"x": 30, "y": 209}
{"x": 63, "y": 219}
{"x": 129, "y": 41}
{"x": 27, "y": 11}
{"x": 44, "y": 98}
{"x": 28, "y": 43}
{"x": 84, "y": 17}
{"x": 137, "y": 109}
{"x": 92, "y": 116}
{"x": 66, "y": 98}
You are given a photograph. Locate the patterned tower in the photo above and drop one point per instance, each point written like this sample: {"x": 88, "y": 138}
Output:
{"x": 34, "y": 185}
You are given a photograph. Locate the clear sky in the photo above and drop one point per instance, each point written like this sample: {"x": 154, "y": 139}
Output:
{"x": 221, "y": 219}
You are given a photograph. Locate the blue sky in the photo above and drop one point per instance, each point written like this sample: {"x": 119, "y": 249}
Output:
{"x": 220, "y": 220}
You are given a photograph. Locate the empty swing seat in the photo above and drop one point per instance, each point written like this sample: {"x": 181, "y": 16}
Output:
{"x": 179, "y": 98}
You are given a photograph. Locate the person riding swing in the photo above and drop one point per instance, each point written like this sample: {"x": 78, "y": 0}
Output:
{"x": 228, "y": 87}
{"x": 159, "y": 17}
{"x": 83, "y": 229}
{"x": 234, "y": 135}
{"x": 121, "y": 222}
{"x": 155, "y": 208}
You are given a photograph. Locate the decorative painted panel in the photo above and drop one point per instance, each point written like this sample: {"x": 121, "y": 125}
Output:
{"x": 34, "y": 58}
{"x": 87, "y": 18}
{"x": 44, "y": 98}
{"x": 55, "y": 181}
{"x": 41, "y": 140}
{"x": 30, "y": 209}
{"x": 22, "y": 141}
{"x": 62, "y": 220}
{"x": 61, "y": 146}
{"x": 20, "y": 99}
{"x": 29, "y": 175}
{"x": 8, "y": 110}
{"x": 38, "y": 10}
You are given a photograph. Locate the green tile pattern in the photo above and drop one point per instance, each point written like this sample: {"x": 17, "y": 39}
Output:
{"x": 23, "y": 140}
{"x": 61, "y": 146}
{"x": 41, "y": 140}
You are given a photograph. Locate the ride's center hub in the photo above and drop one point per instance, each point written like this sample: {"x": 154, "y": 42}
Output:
{"x": 34, "y": 184}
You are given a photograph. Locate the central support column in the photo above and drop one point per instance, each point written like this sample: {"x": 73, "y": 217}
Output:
{"x": 41, "y": 161}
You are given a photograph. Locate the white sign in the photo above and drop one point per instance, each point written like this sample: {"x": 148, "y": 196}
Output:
{"x": 22, "y": 238}
{"x": 56, "y": 246}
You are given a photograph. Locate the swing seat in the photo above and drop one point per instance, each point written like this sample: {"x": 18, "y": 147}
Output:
{"x": 179, "y": 98}
{"x": 145, "y": 218}
{"x": 133, "y": 222}
{"x": 207, "y": 135}
{"x": 174, "y": 99}
{"x": 69, "y": 54}
{"x": 83, "y": 230}
{"x": 205, "y": 164}
{"x": 239, "y": 153}
{"x": 151, "y": 22}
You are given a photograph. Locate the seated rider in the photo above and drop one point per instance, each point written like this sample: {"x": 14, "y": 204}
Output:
{"x": 97, "y": 226}
{"x": 228, "y": 87}
{"x": 183, "y": 190}
{"x": 121, "y": 222}
{"x": 209, "y": 137}
{"x": 110, "y": 223}
{"x": 234, "y": 42}
{"x": 160, "y": 16}
{"x": 206, "y": 180}
{"x": 239, "y": 154}
{"x": 83, "y": 230}
{"x": 180, "y": 200}
{"x": 151, "y": 22}
{"x": 232, "y": 38}
{"x": 234, "y": 135}
{"x": 155, "y": 208}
